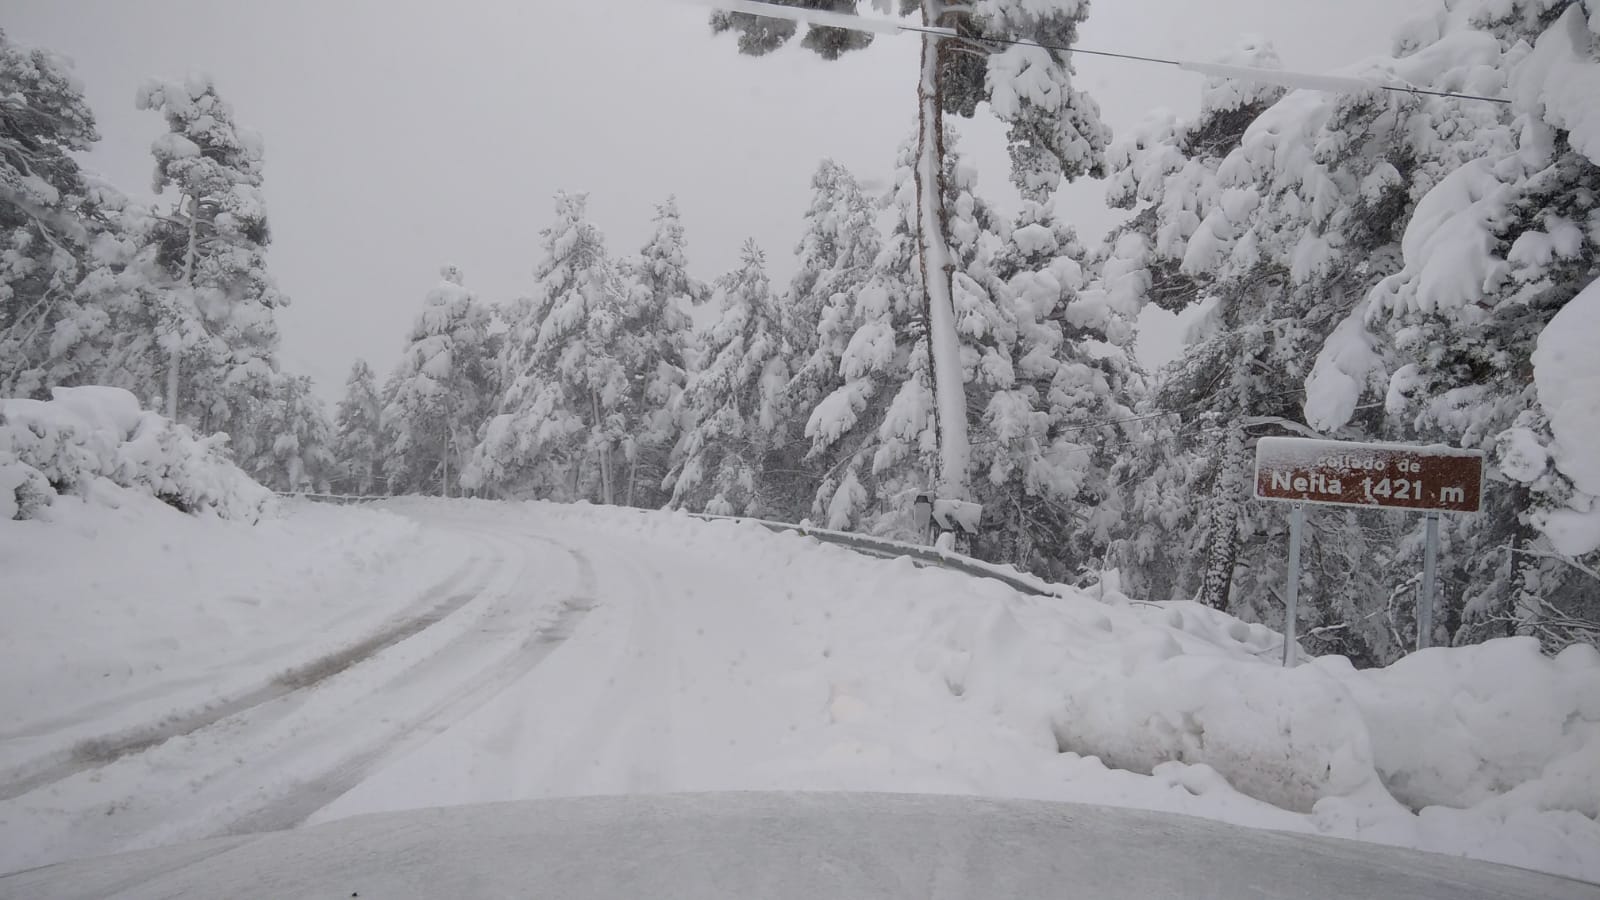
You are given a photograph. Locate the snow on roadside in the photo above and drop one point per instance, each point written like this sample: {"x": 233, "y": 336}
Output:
{"x": 120, "y": 611}
{"x": 725, "y": 657}
{"x": 88, "y": 440}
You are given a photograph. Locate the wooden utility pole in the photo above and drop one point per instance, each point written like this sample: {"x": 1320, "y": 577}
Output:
{"x": 938, "y": 268}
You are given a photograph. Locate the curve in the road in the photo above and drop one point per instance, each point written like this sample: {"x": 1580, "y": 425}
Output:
{"x": 102, "y": 751}
{"x": 310, "y": 736}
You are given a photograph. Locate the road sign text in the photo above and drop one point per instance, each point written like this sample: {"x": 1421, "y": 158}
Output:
{"x": 1388, "y": 476}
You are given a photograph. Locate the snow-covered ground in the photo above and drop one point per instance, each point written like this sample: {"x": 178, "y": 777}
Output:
{"x": 119, "y": 618}
{"x": 512, "y": 651}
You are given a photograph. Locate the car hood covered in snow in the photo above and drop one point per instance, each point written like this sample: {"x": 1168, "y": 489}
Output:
{"x": 784, "y": 845}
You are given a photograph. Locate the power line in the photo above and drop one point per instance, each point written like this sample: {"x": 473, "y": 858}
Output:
{"x": 1302, "y": 80}
{"x": 1290, "y": 79}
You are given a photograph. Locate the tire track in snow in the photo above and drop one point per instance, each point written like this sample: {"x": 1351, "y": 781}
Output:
{"x": 641, "y": 664}
{"x": 97, "y": 752}
{"x": 276, "y": 763}
{"x": 310, "y": 796}
{"x": 637, "y": 720}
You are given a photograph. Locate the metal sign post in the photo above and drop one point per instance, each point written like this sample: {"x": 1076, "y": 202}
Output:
{"x": 1291, "y": 591}
{"x": 1430, "y": 565}
{"x": 1372, "y": 476}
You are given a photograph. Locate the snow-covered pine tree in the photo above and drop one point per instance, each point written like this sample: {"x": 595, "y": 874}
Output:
{"x": 358, "y": 434}
{"x": 1313, "y": 226}
{"x": 1054, "y": 132}
{"x": 1275, "y": 213}
{"x": 877, "y": 427}
{"x": 48, "y": 337}
{"x": 1495, "y": 283}
{"x": 1186, "y": 481}
{"x": 440, "y": 391}
{"x": 563, "y": 417}
{"x": 1338, "y": 177}
{"x": 122, "y": 295}
{"x": 1044, "y": 453}
{"x": 871, "y": 472}
{"x": 759, "y": 35}
{"x": 215, "y": 307}
{"x": 836, "y": 258}
{"x": 652, "y": 335}
{"x": 734, "y": 405}
{"x": 290, "y": 445}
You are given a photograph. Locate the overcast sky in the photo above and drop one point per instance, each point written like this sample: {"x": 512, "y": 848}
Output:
{"x": 402, "y": 135}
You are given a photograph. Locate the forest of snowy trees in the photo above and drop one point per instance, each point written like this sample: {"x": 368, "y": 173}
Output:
{"x": 170, "y": 300}
{"x": 1367, "y": 265}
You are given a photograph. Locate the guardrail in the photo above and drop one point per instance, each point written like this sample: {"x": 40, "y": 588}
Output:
{"x": 887, "y": 549}
{"x": 343, "y": 499}
{"x": 860, "y": 543}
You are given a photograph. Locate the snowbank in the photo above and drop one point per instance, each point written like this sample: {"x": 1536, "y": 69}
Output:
{"x": 725, "y": 657}
{"x": 87, "y": 439}
{"x": 1498, "y": 724}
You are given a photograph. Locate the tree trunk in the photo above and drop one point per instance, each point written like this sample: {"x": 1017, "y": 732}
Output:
{"x": 603, "y": 451}
{"x": 1528, "y": 581}
{"x": 176, "y": 358}
{"x": 633, "y": 473}
{"x": 938, "y": 268}
{"x": 1222, "y": 550}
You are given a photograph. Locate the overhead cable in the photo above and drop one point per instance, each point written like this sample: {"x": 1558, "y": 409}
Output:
{"x": 1310, "y": 81}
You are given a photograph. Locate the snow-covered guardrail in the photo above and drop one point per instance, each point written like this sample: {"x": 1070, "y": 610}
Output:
{"x": 888, "y": 549}
{"x": 871, "y": 546}
{"x": 334, "y": 498}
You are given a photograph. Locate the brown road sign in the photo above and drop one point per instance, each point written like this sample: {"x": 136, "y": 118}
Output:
{"x": 1382, "y": 476}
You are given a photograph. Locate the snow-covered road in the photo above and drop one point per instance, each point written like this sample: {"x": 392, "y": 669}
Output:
{"x": 161, "y": 759}
{"x": 429, "y": 653}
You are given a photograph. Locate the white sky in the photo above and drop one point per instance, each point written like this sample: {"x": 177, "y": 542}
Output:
{"x": 404, "y": 135}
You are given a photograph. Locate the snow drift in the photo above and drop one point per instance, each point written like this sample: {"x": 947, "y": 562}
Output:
{"x": 87, "y": 437}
